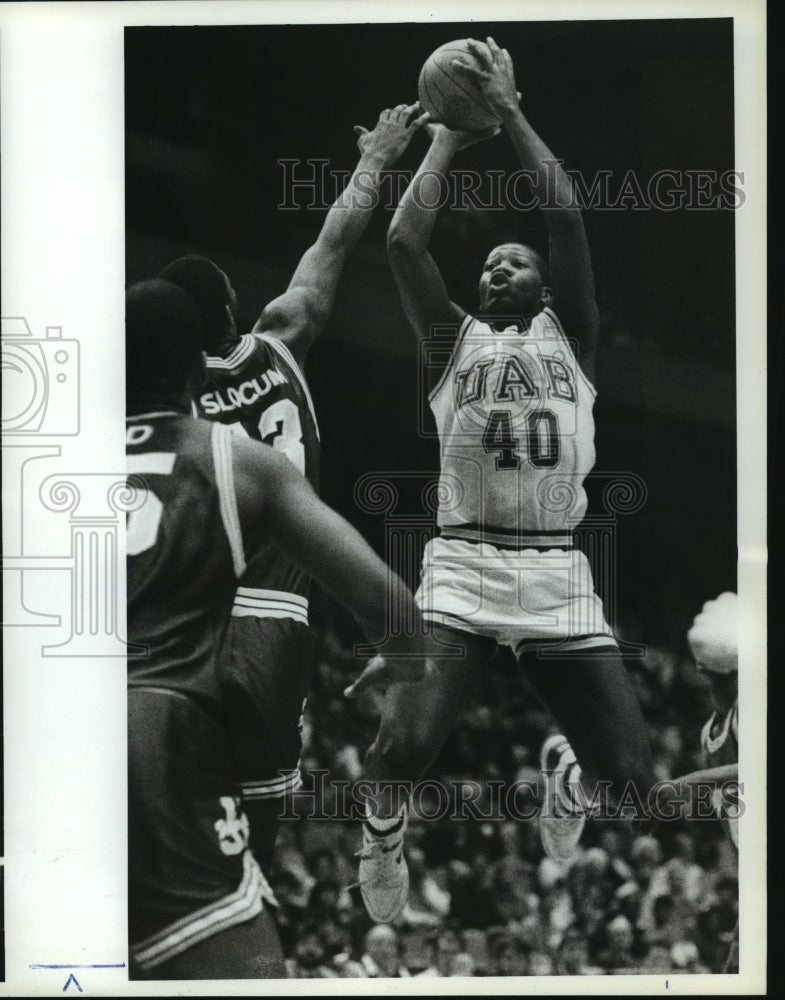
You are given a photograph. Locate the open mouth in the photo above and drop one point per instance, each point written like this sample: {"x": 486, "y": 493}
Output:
{"x": 498, "y": 280}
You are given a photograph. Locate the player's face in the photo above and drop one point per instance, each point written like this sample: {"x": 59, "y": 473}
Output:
{"x": 511, "y": 281}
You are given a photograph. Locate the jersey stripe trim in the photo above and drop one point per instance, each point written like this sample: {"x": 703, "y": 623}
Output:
{"x": 503, "y": 539}
{"x": 570, "y": 644}
{"x": 239, "y": 906}
{"x": 280, "y": 595}
{"x": 237, "y": 355}
{"x": 272, "y": 788}
{"x": 224, "y": 478}
{"x": 269, "y": 604}
{"x": 289, "y": 358}
{"x": 255, "y": 611}
{"x": 462, "y": 329}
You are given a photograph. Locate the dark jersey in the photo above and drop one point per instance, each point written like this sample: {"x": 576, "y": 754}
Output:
{"x": 259, "y": 390}
{"x": 720, "y": 743}
{"x": 185, "y": 551}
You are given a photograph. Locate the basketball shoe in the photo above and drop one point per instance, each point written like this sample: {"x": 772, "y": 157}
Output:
{"x": 384, "y": 875}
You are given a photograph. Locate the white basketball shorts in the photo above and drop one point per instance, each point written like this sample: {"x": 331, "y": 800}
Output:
{"x": 520, "y": 598}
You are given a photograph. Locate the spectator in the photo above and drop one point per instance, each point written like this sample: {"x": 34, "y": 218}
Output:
{"x": 323, "y": 899}
{"x": 572, "y": 956}
{"x": 685, "y": 958}
{"x": 382, "y": 955}
{"x": 617, "y": 957}
{"x": 445, "y": 944}
{"x": 512, "y": 956}
{"x": 462, "y": 964}
{"x": 337, "y": 944}
{"x": 657, "y": 960}
{"x": 664, "y": 930}
{"x": 309, "y": 959}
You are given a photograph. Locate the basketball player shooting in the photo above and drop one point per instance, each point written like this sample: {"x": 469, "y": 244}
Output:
{"x": 513, "y": 410}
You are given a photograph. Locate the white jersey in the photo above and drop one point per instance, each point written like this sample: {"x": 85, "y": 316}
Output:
{"x": 516, "y": 429}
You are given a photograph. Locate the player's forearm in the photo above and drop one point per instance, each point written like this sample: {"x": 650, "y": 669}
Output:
{"x": 711, "y": 775}
{"x": 349, "y": 215}
{"x": 415, "y": 217}
{"x": 379, "y": 600}
{"x": 336, "y": 555}
{"x": 553, "y": 186}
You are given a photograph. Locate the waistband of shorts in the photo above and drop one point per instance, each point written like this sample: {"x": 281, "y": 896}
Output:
{"x": 286, "y": 783}
{"x": 269, "y": 604}
{"x": 541, "y": 541}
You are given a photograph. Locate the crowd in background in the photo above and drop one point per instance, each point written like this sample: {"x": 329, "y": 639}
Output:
{"x": 484, "y": 900}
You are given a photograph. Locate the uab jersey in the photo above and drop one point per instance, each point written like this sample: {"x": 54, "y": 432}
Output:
{"x": 516, "y": 428}
{"x": 184, "y": 548}
{"x": 259, "y": 390}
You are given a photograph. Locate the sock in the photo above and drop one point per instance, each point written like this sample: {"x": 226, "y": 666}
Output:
{"x": 566, "y": 784}
{"x": 381, "y": 825}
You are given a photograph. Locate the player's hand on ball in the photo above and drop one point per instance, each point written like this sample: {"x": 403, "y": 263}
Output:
{"x": 391, "y": 134}
{"x": 494, "y": 75}
{"x": 713, "y": 638}
{"x": 380, "y": 673}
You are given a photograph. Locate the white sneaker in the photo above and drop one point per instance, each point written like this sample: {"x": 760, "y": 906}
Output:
{"x": 559, "y": 834}
{"x": 384, "y": 874}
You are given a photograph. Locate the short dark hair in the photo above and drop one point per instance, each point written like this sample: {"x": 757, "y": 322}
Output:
{"x": 163, "y": 338}
{"x": 542, "y": 265}
{"x": 204, "y": 281}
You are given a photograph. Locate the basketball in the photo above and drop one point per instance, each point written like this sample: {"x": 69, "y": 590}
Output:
{"x": 451, "y": 97}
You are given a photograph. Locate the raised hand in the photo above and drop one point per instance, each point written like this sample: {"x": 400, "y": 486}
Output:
{"x": 494, "y": 75}
{"x": 391, "y": 135}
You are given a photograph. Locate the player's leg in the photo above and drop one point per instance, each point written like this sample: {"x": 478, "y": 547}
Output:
{"x": 596, "y": 708}
{"x": 417, "y": 718}
{"x": 191, "y": 875}
{"x": 265, "y": 670}
{"x": 415, "y": 722}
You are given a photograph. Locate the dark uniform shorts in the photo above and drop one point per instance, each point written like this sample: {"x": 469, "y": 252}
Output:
{"x": 191, "y": 874}
{"x": 266, "y": 666}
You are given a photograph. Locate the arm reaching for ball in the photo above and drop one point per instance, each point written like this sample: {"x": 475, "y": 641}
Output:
{"x": 423, "y": 292}
{"x": 299, "y": 315}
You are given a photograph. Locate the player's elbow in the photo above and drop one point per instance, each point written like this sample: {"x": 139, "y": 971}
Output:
{"x": 401, "y": 245}
{"x": 317, "y": 312}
